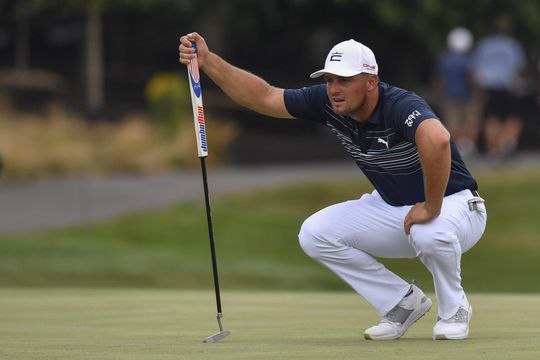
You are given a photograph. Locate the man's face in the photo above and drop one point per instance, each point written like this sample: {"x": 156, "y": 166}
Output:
{"x": 347, "y": 94}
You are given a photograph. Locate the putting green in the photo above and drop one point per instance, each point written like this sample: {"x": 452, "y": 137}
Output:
{"x": 169, "y": 324}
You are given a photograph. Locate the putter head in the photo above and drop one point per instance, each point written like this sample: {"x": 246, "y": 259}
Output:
{"x": 216, "y": 337}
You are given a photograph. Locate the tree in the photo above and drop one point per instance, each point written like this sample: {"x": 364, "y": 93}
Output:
{"x": 94, "y": 67}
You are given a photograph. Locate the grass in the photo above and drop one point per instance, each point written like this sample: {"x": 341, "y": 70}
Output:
{"x": 111, "y": 290}
{"x": 171, "y": 324}
{"x": 256, "y": 236}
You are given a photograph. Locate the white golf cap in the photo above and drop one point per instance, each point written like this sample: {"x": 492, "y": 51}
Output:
{"x": 459, "y": 40}
{"x": 349, "y": 58}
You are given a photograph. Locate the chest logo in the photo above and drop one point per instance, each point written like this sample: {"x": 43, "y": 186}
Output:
{"x": 382, "y": 141}
{"x": 412, "y": 116}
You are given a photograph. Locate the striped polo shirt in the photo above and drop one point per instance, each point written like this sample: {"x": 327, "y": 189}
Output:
{"x": 384, "y": 146}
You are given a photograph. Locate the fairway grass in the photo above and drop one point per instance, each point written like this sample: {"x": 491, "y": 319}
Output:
{"x": 170, "y": 324}
{"x": 256, "y": 237}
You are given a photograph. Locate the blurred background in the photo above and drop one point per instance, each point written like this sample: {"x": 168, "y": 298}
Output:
{"x": 100, "y": 79}
{"x": 95, "y": 113}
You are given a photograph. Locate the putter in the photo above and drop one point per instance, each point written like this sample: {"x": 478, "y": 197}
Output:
{"x": 202, "y": 150}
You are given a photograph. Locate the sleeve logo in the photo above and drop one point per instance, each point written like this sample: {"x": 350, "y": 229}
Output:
{"x": 412, "y": 116}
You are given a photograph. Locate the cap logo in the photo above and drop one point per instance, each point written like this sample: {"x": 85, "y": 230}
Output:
{"x": 370, "y": 67}
{"x": 336, "y": 56}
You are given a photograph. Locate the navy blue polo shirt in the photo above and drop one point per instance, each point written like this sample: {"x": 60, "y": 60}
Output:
{"x": 384, "y": 146}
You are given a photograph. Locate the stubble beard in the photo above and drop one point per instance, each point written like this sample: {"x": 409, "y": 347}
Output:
{"x": 351, "y": 112}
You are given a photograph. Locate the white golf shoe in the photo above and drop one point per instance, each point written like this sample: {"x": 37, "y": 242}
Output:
{"x": 457, "y": 327}
{"x": 394, "y": 324}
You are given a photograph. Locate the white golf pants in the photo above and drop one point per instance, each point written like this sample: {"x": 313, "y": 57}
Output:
{"x": 347, "y": 237}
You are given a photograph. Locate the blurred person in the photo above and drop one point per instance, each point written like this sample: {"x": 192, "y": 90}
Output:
{"x": 538, "y": 83}
{"x": 499, "y": 62}
{"x": 425, "y": 202}
{"x": 455, "y": 90}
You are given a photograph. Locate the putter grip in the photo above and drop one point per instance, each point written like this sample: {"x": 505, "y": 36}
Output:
{"x": 197, "y": 105}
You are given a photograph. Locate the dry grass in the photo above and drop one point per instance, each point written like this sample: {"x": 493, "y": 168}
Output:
{"x": 57, "y": 143}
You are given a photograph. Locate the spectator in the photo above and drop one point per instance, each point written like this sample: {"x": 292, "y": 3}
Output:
{"x": 538, "y": 84}
{"x": 455, "y": 90}
{"x": 499, "y": 61}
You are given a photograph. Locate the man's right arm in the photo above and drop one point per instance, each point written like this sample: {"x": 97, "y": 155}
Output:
{"x": 241, "y": 86}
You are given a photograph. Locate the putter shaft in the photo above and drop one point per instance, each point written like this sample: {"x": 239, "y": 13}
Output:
{"x": 211, "y": 235}
{"x": 222, "y": 333}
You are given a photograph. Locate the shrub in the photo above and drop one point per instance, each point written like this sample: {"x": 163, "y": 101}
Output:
{"x": 169, "y": 100}
{"x": 58, "y": 143}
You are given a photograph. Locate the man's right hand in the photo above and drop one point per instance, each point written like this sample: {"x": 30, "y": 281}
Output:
{"x": 241, "y": 86}
{"x": 186, "y": 52}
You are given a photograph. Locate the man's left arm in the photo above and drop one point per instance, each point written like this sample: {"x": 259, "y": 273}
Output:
{"x": 433, "y": 143}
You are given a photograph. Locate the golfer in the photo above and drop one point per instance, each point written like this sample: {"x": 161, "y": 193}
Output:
{"x": 425, "y": 202}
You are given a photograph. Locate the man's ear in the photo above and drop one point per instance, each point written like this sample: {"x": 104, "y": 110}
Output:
{"x": 373, "y": 82}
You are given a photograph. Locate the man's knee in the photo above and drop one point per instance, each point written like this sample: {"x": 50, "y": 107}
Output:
{"x": 310, "y": 238}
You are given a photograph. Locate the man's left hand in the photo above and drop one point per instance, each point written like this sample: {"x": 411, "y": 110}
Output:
{"x": 419, "y": 214}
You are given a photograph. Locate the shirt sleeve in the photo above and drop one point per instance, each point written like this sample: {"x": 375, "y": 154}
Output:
{"x": 306, "y": 103}
{"x": 408, "y": 112}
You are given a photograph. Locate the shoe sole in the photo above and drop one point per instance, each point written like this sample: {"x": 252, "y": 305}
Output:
{"x": 451, "y": 337}
{"x": 414, "y": 317}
